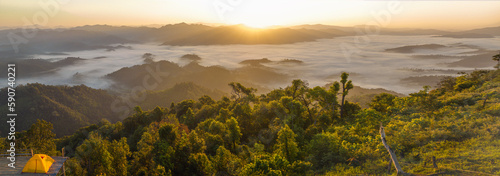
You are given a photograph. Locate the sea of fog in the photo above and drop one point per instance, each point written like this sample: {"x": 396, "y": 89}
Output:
{"x": 369, "y": 64}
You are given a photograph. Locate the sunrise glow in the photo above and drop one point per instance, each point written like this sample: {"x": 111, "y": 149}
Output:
{"x": 256, "y": 13}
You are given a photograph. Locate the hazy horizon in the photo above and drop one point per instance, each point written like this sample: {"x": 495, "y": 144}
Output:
{"x": 443, "y": 15}
{"x": 223, "y": 25}
{"x": 322, "y": 61}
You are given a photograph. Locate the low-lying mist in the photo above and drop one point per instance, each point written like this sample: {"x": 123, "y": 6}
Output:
{"x": 319, "y": 62}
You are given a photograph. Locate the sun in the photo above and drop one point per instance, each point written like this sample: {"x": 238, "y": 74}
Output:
{"x": 257, "y": 24}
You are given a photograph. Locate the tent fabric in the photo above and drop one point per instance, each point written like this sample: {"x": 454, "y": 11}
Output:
{"x": 39, "y": 163}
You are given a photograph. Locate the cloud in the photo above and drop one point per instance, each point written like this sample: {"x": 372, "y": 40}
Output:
{"x": 323, "y": 58}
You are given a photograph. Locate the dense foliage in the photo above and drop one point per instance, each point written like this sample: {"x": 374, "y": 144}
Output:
{"x": 299, "y": 130}
{"x": 67, "y": 108}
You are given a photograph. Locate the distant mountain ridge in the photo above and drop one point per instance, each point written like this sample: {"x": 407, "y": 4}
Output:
{"x": 36, "y": 67}
{"x": 495, "y": 31}
{"x": 92, "y": 37}
{"x": 240, "y": 34}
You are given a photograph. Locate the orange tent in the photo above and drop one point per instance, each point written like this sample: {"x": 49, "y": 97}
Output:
{"x": 40, "y": 163}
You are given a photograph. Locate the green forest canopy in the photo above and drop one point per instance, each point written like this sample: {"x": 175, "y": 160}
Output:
{"x": 297, "y": 130}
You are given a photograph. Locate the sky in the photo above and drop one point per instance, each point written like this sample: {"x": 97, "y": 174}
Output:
{"x": 444, "y": 14}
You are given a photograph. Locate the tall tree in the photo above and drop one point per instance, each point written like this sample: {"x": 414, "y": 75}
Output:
{"x": 286, "y": 145}
{"x": 326, "y": 99}
{"x": 212, "y": 132}
{"x": 234, "y": 134}
{"x": 223, "y": 162}
{"x": 165, "y": 148}
{"x": 94, "y": 155}
{"x": 346, "y": 86}
{"x": 120, "y": 151}
{"x": 298, "y": 91}
{"x": 40, "y": 137}
{"x": 241, "y": 92}
{"x": 144, "y": 158}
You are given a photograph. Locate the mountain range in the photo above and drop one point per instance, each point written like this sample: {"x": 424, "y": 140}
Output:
{"x": 91, "y": 37}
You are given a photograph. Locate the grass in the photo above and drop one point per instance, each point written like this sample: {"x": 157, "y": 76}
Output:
{"x": 476, "y": 156}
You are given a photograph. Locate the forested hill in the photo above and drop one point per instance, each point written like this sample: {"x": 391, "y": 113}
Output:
{"x": 300, "y": 130}
{"x": 297, "y": 130}
{"x": 67, "y": 108}
{"x": 178, "y": 93}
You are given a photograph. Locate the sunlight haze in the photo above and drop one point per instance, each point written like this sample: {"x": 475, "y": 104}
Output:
{"x": 450, "y": 15}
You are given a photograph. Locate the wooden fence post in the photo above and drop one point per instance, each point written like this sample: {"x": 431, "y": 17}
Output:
{"x": 434, "y": 162}
{"x": 64, "y": 169}
{"x": 393, "y": 155}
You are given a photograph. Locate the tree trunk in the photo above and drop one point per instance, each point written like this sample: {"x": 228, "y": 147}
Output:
{"x": 64, "y": 169}
{"x": 286, "y": 148}
{"x": 234, "y": 145}
{"x": 333, "y": 108}
{"x": 342, "y": 103}
{"x": 306, "y": 104}
{"x": 485, "y": 99}
{"x": 393, "y": 155}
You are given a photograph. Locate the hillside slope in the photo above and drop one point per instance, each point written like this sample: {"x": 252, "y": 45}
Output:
{"x": 178, "y": 93}
{"x": 68, "y": 108}
{"x": 166, "y": 74}
{"x": 298, "y": 130}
